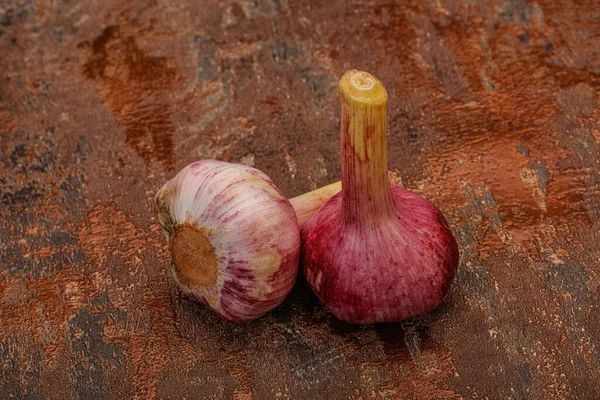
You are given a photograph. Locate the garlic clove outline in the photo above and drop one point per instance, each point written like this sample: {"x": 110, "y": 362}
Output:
{"x": 233, "y": 236}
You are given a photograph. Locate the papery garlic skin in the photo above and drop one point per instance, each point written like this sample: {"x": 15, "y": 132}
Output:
{"x": 391, "y": 271}
{"x": 233, "y": 236}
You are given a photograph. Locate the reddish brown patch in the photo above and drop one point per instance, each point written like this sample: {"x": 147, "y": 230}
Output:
{"x": 7, "y": 126}
{"x": 240, "y": 370}
{"x": 512, "y": 102}
{"x": 133, "y": 85}
{"x": 108, "y": 234}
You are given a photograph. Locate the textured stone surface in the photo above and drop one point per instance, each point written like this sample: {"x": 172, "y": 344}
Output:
{"x": 493, "y": 116}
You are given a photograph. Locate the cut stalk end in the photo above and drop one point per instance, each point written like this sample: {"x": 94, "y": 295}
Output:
{"x": 363, "y": 88}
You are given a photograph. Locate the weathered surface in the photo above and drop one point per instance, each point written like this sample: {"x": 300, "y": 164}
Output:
{"x": 493, "y": 116}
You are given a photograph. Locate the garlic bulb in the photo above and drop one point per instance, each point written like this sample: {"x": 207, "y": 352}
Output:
{"x": 375, "y": 252}
{"x": 233, "y": 236}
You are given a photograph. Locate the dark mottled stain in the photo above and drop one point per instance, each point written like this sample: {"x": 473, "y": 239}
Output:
{"x": 412, "y": 338}
{"x": 36, "y": 243}
{"x": 62, "y": 239}
{"x": 206, "y": 62}
{"x": 93, "y": 355}
{"x": 133, "y": 85}
{"x": 570, "y": 277}
{"x": 401, "y": 122}
{"x": 525, "y": 374}
{"x": 255, "y": 9}
{"x": 9, "y": 384}
{"x": 282, "y": 52}
{"x": 212, "y": 382}
{"x": 300, "y": 355}
{"x": 7, "y": 18}
{"x": 269, "y": 6}
{"x": 19, "y": 151}
{"x": 310, "y": 365}
{"x": 516, "y": 11}
{"x": 317, "y": 84}
{"x": 101, "y": 300}
{"x": 476, "y": 281}
{"x": 21, "y": 375}
{"x": 38, "y": 156}
{"x": 84, "y": 148}
{"x": 73, "y": 183}
{"x": 524, "y": 150}
{"x": 542, "y": 174}
{"x": 36, "y": 257}
{"x": 24, "y": 196}
{"x": 549, "y": 47}
{"x": 524, "y": 37}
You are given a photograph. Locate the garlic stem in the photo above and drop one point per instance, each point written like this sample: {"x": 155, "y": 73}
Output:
{"x": 307, "y": 204}
{"x": 366, "y": 194}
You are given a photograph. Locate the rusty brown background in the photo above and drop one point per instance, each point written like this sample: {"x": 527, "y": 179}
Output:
{"x": 493, "y": 116}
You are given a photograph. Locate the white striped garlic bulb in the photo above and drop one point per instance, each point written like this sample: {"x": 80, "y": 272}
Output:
{"x": 234, "y": 237}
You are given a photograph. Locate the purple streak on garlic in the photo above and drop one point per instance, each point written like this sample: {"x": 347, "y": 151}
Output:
{"x": 233, "y": 236}
{"x": 375, "y": 252}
